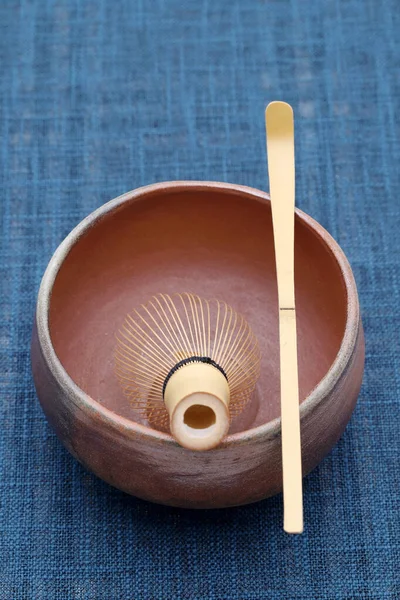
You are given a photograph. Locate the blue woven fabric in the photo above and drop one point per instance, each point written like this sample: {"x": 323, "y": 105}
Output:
{"x": 101, "y": 96}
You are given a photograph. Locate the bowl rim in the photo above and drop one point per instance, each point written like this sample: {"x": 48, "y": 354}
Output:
{"x": 86, "y": 403}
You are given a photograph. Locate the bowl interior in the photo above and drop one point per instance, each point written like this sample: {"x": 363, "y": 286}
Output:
{"x": 214, "y": 243}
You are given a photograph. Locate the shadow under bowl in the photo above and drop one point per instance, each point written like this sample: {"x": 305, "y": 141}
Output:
{"x": 215, "y": 240}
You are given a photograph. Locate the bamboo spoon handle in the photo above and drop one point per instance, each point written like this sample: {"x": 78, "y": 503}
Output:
{"x": 280, "y": 150}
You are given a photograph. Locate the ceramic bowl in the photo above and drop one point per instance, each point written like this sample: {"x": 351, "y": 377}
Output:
{"x": 215, "y": 240}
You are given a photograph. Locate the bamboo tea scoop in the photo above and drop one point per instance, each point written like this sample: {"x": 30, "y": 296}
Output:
{"x": 280, "y": 151}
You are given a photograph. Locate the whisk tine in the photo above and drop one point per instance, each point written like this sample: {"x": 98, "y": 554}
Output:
{"x": 131, "y": 363}
{"x": 244, "y": 345}
{"x": 193, "y": 323}
{"x": 218, "y": 330}
{"x": 224, "y": 331}
{"x": 184, "y": 338}
{"x": 168, "y": 326}
{"x": 244, "y": 379}
{"x": 168, "y": 345}
{"x": 226, "y": 348}
{"x": 200, "y": 319}
{"x": 202, "y": 329}
{"x": 192, "y": 341}
{"x": 135, "y": 341}
{"x": 196, "y": 323}
{"x": 208, "y": 329}
{"x": 143, "y": 335}
{"x": 240, "y": 332}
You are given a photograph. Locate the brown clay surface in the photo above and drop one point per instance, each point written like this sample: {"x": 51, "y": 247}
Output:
{"x": 214, "y": 244}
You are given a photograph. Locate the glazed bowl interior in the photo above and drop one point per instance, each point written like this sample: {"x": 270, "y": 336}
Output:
{"x": 217, "y": 243}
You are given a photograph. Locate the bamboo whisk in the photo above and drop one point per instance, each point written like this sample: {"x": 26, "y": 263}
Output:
{"x": 189, "y": 362}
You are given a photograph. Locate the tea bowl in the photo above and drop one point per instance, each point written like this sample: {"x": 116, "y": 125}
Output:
{"x": 215, "y": 240}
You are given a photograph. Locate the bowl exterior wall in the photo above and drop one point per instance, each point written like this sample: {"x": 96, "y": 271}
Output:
{"x": 244, "y": 469}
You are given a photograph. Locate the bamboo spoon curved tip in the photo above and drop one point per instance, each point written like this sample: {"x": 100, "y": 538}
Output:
{"x": 280, "y": 150}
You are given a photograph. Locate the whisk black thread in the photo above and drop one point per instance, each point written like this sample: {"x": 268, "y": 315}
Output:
{"x": 192, "y": 359}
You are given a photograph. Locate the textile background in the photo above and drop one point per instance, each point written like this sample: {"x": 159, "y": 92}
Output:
{"x": 99, "y": 97}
